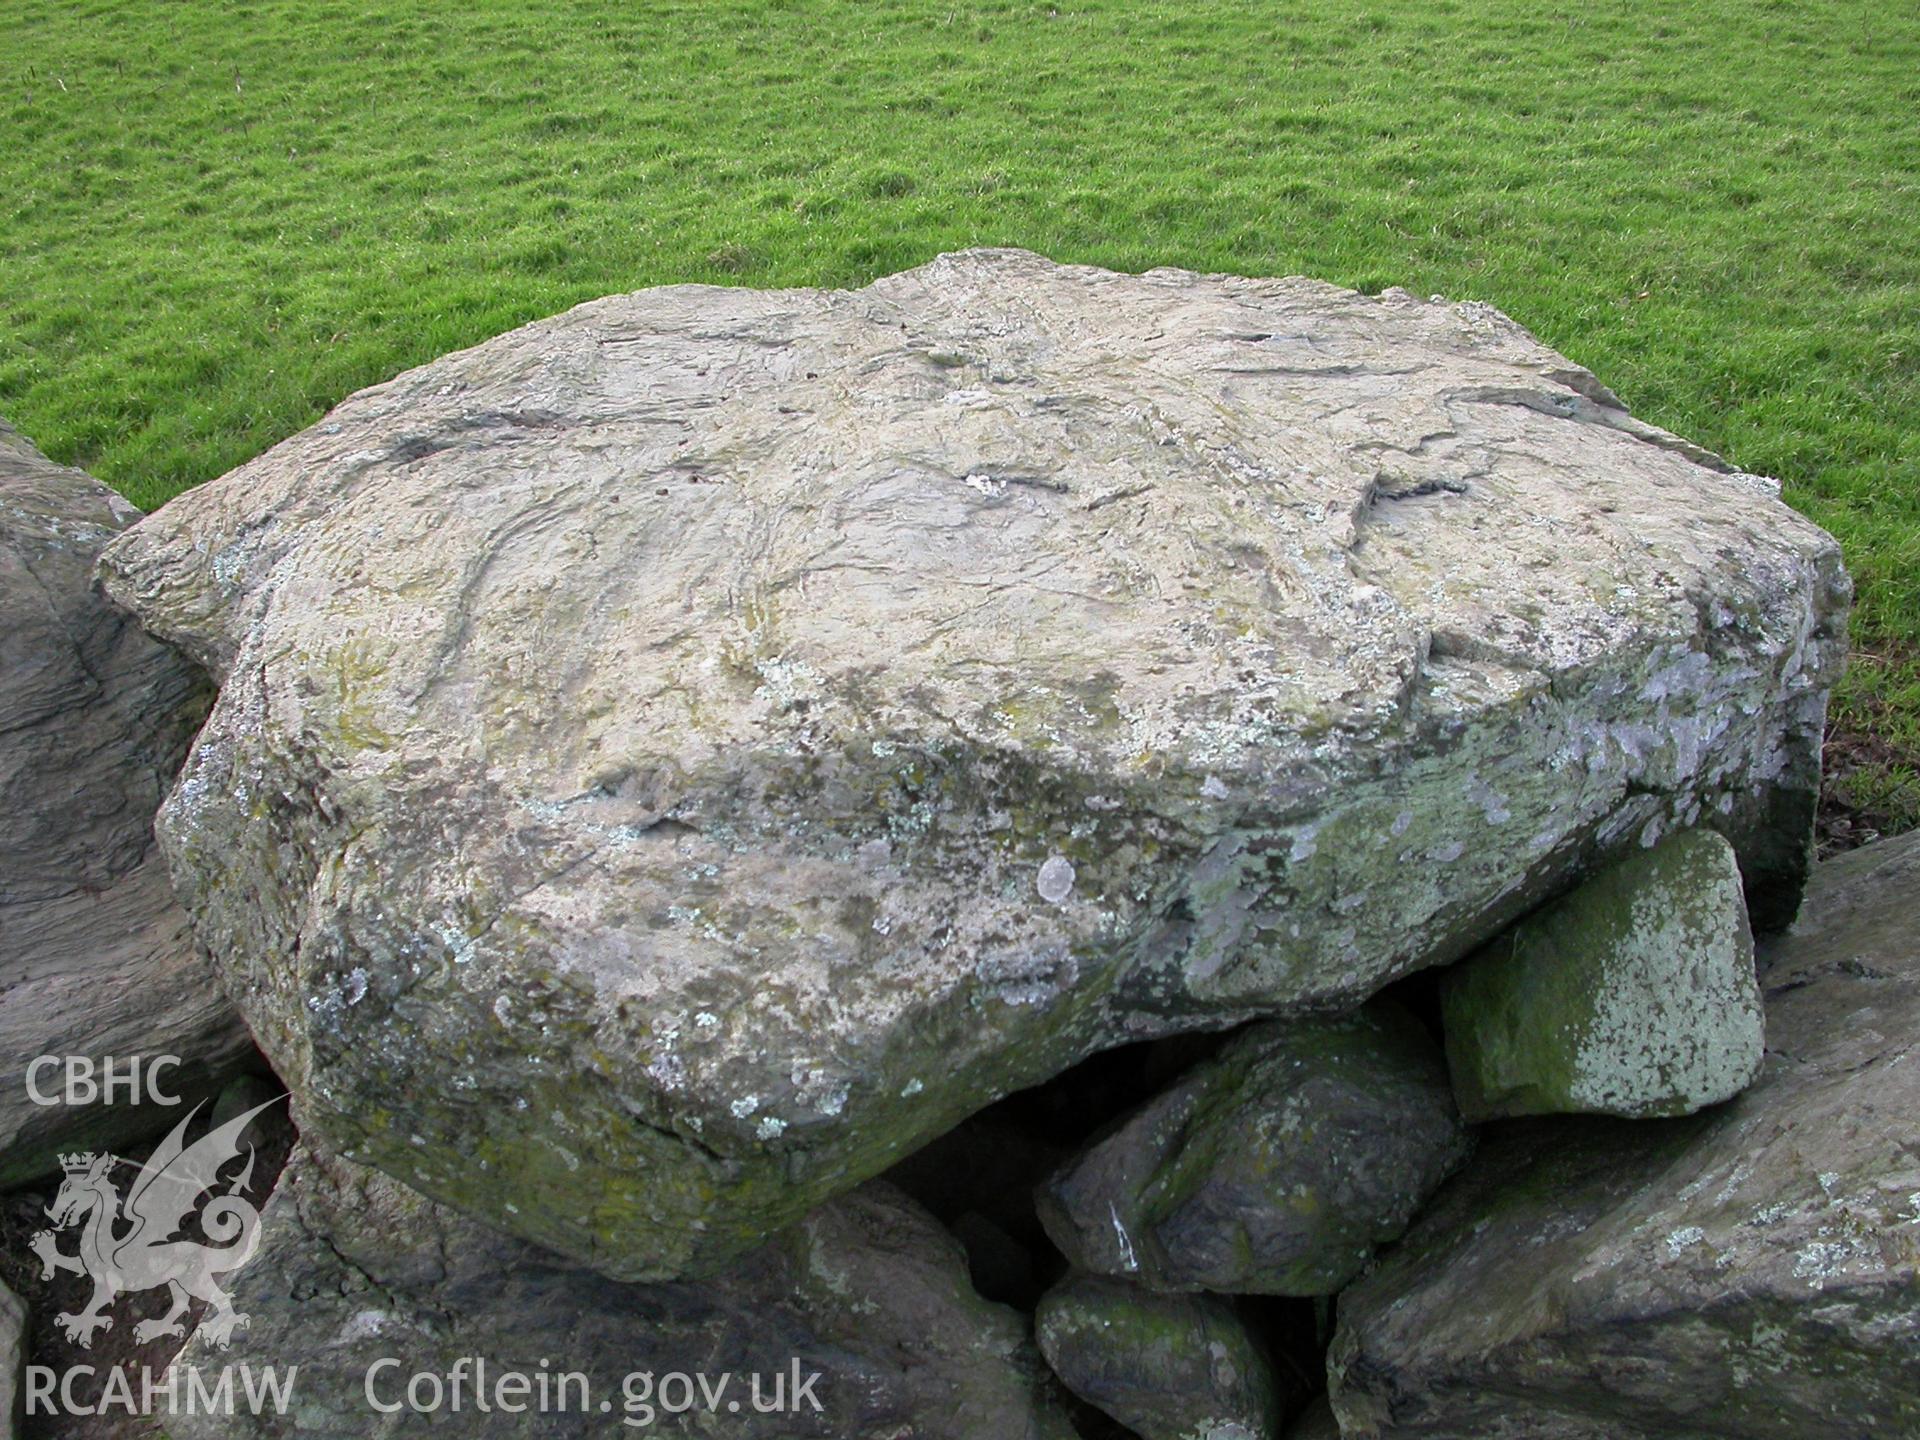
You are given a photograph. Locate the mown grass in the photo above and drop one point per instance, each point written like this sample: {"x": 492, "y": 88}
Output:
{"x": 218, "y": 220}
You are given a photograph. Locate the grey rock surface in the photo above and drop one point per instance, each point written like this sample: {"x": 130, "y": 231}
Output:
{"x": 867, "y": 1292}
{"x": 95, "y": 718}
{"x": 1748, "y": 1273}
{"x": 1634, "y": 995}
{"x": 1168, "y": 1367}
{"x": 1274, "y": 1168}
{"x": 13, "y": 1358}
{"x": 678, "y": 757}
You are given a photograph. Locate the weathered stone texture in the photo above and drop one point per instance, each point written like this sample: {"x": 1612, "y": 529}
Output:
{"x": 95, "y": 717}
{"x": 1748, "y": 1273}
{"x": 868, "y": 1293}
{"x": 1273, "y": 1169}
{"x": 1168, "y": 1367}
{"x": 13, "y": 1358}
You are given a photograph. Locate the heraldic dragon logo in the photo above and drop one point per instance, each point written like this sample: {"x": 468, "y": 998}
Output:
{"x": 132, "y": 1243}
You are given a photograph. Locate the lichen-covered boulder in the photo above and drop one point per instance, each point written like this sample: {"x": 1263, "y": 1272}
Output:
{"x": 1274, "y": 1168}
{"x": 363, "y": 1284}
{"x": 1746, "y": 1273}
{"x": 1168, "y": 1367}
{"x": 95, "y": 717}
{"x": 1634, "y": 995}
{"x": 676, "y": 758}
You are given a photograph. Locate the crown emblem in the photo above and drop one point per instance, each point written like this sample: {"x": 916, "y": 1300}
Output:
{"x": 77, "y": 1163}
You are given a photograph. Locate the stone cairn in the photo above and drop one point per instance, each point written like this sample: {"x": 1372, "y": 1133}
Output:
{"x": 1027, "y": 850}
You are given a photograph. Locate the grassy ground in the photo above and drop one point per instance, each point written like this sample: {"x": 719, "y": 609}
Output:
{"x": 218, "y": 220}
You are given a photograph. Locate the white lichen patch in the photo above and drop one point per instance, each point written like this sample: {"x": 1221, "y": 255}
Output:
{"x": 1683, "y": 1239}
{"x": 1055, "y": 880}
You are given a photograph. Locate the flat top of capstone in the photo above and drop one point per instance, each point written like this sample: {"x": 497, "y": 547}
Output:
{"x": 1137, "y": 520}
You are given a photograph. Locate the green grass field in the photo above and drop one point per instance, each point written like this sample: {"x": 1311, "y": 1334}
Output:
{"x": 219, "y": 220}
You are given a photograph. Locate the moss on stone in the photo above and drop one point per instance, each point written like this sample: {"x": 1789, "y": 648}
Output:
{"x": 1633, "y": 995}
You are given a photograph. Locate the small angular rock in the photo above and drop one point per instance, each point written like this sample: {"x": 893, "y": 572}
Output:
{"x": 1168, "y": 1367}
{"x": 1746, "y": 1273}
{"x": 1634, "y": 995}
{"x": 1274, "y": 1168}
{"x": 96, "y": 959}
{"x": 868, "y": 1292}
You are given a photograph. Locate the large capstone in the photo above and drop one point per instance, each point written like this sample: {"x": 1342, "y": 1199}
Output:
{"x": 96, "y": 959}
{"x": 674, "y": 759}
{"x": 1634, "y": 995}
{"x": 1747, "y": 1273}
{"x": 856, "y": 1324}
{"x": 1273, "y": 1169}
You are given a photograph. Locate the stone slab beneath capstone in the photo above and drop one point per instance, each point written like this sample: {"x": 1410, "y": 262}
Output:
{"x": 1634, "y": 995}
{"x": 96, "y": 958}
{"x": 1168, "y": 1367}
{"x": 1274, "y": 1168}
{"x": 676, "y": 758}
{"x": 354, "y": 1270}
{"x": 1748, "y": 1273}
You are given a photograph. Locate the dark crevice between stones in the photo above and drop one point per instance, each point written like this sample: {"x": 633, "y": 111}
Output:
{"x": 1419, "y": 995}
{"x": 1295, "y": 1334}
{"x": 979, "y": 1179}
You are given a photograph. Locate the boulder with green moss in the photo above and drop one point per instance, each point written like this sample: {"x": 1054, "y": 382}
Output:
{"x": 1168, "y": 1367}
{"x": 1746, "y": 1273}
{"x": 1634, "y": 995}
{"x": 856, "y": 1324}
{"x": 1275, "y": 1168}
{"x": 676, "y": 758}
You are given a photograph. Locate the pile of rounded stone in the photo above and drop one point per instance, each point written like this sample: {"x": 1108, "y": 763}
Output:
{"x": 1279, "y": 1166}
{"x": 1063, "y": 849}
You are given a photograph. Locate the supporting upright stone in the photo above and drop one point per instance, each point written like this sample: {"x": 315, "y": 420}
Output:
{"x": 1634, "y": 995}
